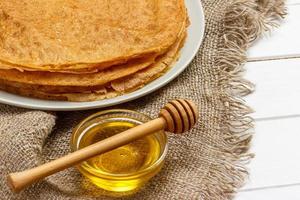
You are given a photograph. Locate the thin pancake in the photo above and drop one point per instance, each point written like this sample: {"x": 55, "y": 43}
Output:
{"x": 56, "y": 89}
{"x": 83, "y": 68}
{"x": 118, "y": 87}
{"x": 82, "y": 80}
{"x": 66, "y": 35}
{"x": 74, "y": 97}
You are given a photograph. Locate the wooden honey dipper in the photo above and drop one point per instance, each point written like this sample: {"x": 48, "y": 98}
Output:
{"x": 177, "y": 116}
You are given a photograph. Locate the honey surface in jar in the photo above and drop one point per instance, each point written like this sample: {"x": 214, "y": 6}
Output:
{"x": 127, "y": 159}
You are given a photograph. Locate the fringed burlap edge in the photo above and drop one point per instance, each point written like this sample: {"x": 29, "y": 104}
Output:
{"x": 245, "y": 21}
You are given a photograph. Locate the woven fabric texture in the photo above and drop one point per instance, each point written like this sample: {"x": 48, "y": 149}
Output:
{"x": 206, "y": 163}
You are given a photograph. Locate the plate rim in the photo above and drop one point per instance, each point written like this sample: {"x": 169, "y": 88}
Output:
{"x": 147, "y": 89}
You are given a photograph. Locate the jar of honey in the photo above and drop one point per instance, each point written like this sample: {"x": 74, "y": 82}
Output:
{"x": 128, "y": 167}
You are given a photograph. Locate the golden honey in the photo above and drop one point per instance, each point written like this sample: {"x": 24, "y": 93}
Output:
{"x": 125, "y": 168}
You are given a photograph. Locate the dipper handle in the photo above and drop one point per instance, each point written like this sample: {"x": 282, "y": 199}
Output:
{"x": 177, "y": 116}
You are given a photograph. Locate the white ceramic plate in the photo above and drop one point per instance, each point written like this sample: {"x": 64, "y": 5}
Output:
{"x": 192, "y": 45}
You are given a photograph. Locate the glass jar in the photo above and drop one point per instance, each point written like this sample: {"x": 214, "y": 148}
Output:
{"x": 128, "y": 167}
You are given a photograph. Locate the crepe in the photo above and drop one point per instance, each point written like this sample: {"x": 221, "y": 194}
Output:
{"x": 84, "y": 68}
{"x": 82, "y": 80}
{"x": 114, "y": 89}
{"x": 78, "y": 35}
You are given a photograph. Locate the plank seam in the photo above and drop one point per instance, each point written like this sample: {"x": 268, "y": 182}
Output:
{"x": 270, "y": 187}
{"x": 276, "y": 118}
{"x": 269, "y": 58}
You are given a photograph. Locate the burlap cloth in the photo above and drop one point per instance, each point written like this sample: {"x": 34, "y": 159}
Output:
{"x": 207, "y": 163}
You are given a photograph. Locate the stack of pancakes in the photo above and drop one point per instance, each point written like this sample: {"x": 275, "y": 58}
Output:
{"x": 78, "y": 50}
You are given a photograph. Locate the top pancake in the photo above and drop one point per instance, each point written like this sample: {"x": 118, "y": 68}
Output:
{"x": 60, "y": 35}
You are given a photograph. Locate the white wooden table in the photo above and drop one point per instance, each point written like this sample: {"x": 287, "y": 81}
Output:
{"x": 274, "y": 66}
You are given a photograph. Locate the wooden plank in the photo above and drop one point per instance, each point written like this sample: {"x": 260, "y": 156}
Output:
{"x": 281, "y": 42}
{"x": 281, "y": 193}
{"x": 276, "y": 147}
{"x": 277, "y": 88}
{"x": 292, "y": 2}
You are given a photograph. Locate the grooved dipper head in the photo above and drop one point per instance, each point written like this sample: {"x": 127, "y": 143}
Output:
{"x": 181, "y": 115}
